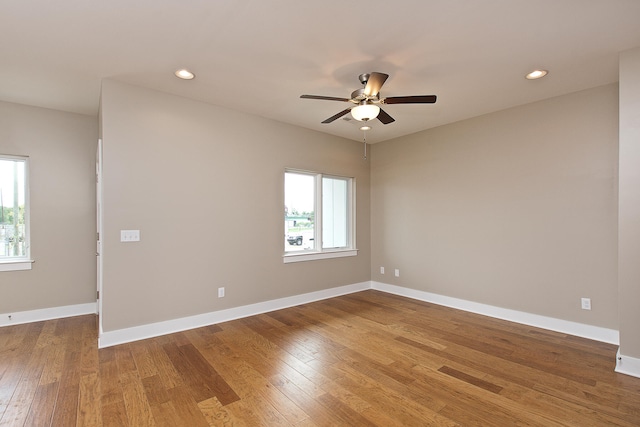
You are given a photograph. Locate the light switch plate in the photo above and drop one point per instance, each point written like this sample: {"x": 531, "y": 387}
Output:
{"x": 129, "y": 235}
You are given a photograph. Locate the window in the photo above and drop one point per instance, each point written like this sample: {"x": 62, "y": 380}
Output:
{"x": 319, "y": 216}
{"x": 14, "y": 214}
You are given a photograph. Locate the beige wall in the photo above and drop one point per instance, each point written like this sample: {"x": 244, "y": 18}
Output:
{"x": 204, "y": 185}
{"x": 515, "y": 209}
{"x": 629, "y": 209}
{"x": 61, "y": 148}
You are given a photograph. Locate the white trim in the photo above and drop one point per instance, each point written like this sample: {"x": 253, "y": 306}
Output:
{"x": 100, "y": 230}
{"x": 627, "y": 365}
{"x": 135, "y": 333}
{"x": 597, "y": 333}
{"x": 624, "y": 364}
{"x": 16, "y": 265}
{"x": 302, "y": 256}
{"x": 20, "y": 317}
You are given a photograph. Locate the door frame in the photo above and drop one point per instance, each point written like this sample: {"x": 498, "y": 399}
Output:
{"x": 99, "y": 236}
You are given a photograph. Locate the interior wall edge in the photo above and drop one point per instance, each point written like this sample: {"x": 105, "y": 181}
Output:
{"x": 627, "y": 365}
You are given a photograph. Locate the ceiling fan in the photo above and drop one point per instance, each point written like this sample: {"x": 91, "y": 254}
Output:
{"x": 366, "y": 100}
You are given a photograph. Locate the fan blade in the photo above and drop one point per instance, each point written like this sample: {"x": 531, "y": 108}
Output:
{"x": 337, "y": 116}
{"x": 385, "y": 118}
{"x": 421, "y": 99}
{"x": 326, "y": 98}
{"x": 374, "y": 83}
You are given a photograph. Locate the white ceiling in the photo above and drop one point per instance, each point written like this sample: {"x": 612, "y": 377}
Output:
{"x": 259, "y": 56}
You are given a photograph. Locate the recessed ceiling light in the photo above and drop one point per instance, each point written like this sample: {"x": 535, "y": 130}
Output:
{"x": 185, "y": 74}
{"x": 536, "y": 74}
{"x": 365, "y": 128}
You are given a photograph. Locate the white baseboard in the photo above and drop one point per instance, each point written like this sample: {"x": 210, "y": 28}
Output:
{"x": 597, "y": 333}
{"x": 627, "y": 365}
{"x": 624, "y": 364}
{"x": 19, "y": 317}
{"x": 135, "y": 333}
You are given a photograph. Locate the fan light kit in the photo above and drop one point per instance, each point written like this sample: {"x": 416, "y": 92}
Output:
{"x": 366, "y": 100}
{"x": 365, "y": 111}
{"x": 536, "y": 74}
{"x": 184, "y": 74}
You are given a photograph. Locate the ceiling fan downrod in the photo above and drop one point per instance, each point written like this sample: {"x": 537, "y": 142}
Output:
{"x": 364, "y": 140}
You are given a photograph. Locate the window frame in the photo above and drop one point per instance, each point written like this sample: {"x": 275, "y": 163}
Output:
{"x": 17, "y": 263}
{"x": 318, "y": 252}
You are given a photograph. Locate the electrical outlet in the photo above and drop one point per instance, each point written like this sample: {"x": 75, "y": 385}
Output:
{"x": 220, "y": 292}
{"x": 397, "y": 272}
{"x": 381, "y": 270}
{"x": 586, "y": 303}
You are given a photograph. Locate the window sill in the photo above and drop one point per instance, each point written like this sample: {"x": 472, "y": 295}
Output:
{"x": 312, "y": 256}
{"x": 16, "y": 265}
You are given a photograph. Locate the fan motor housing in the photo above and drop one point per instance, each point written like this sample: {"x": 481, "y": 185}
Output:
{"x": 359, "y": 95}
{"x": 364, "y": 78}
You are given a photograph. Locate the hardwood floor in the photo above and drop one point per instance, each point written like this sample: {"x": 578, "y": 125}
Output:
{"x": 365, "y": 359}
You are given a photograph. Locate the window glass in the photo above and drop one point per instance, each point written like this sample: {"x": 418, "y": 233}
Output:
{"x": 334, "y": 213}
{"x": 299, "y": 211}
{"x": 14, "y": 243}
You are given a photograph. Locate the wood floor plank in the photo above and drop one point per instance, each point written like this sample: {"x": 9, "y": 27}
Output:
{"x": 11, "y": 370}
{"x": 135, "y": 401}
{"x": 325, "y": 385}
{"x": 114, "y": 414}
{"x": 26, "y": 389}
{"x": 89, "y": 359}
{"x": 155, "y": 391}
{"x": 111, "y": 391}
{"x": 203, "y": 381}
{"x": 391, "y": 398}
{"x": 217, "y": 415}
{"x": 249, "y": 383}
{"x": 66, "y": 410}
{"x": 41, "y": 409}
{"x": 54, "y": 366}
{"x": 367, "y": 358}
{"x": 307, "y": 403}
{"x": 89, "y": 408}
{"x": 142, "y": 357}
{"x": 343, "y": 412}
{"x": 166, "y": 371}
{"x": 165, "y": 415}
{"x": 186, "y": 408}
{"x": 478, "y": 382}
{"x": 255, "y": 411}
